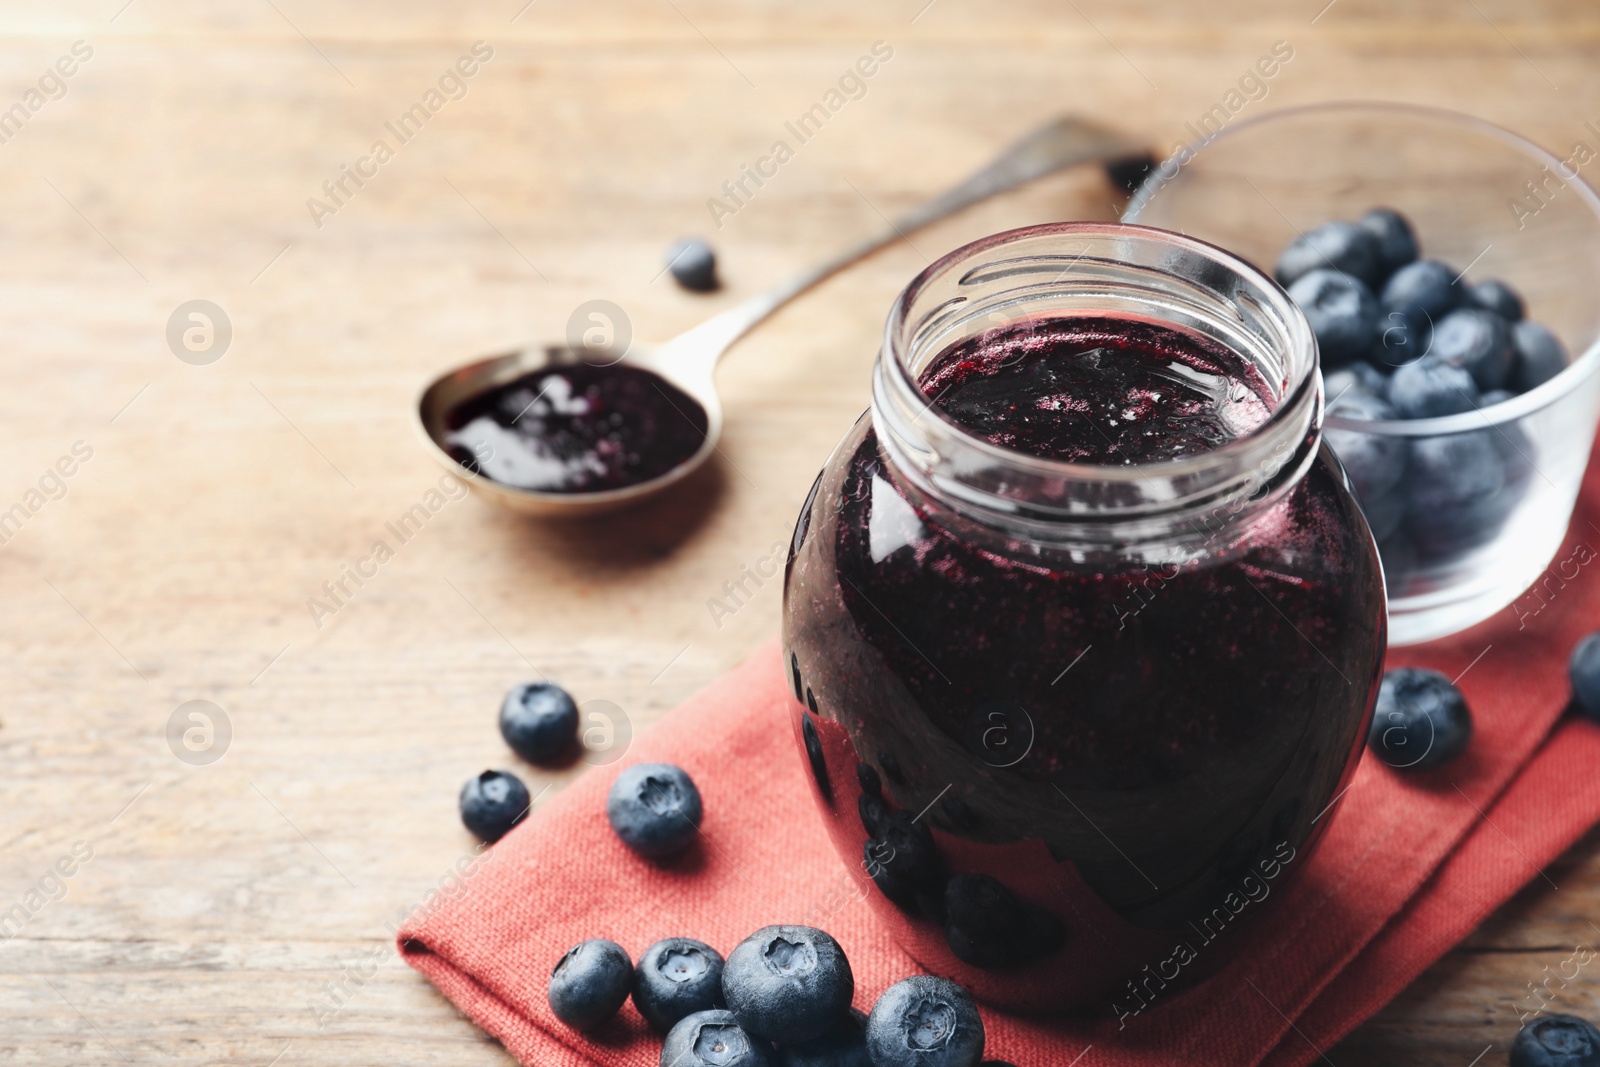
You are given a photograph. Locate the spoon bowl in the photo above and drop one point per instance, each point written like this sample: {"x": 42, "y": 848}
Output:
{"x": 474, "y": 379}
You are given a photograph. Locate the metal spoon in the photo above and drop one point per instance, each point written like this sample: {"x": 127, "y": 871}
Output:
{"x": 689, "y": 360}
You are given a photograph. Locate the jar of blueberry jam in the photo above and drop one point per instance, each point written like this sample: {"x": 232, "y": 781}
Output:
{"x": 1083, "y": 622}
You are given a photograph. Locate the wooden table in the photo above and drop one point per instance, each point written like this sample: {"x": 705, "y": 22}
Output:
{"x": 177, "y": 561}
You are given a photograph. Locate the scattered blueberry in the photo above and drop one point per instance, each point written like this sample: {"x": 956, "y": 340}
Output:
{"x": 1374, "y": 462}
{"x": 788, "y": 983}
{"x": 693, "y": 264}
{"x": 1496, "y": 296}
{"x": 655, "y": 809}
{"x": 540, "y": 722}
{"x": 1421, "y": 721}
{"x": 1556, "y": 1041}
{"x": 1477, "y": 341}
{"x": 1340, "y": 246}
{"x": 1397, "y": 242}
{"x": 814, "y": 755}
{"x": 1584, "y": 668}
{"x": 843, "y": 1046}
{"x": 492, "y": 803}
{"x": 713, "y": 1039}
{"x": 867, "y": 778}
{"x": 1457, "y": 485}
{"x": 924, "y": 1021}
{"x": 676, "y": 978}
{"x": 1540, "y": 355}
{"x": 590, "y": 983}
{"x": 1429, "y": 388}
{"x": 1342, "y": 311}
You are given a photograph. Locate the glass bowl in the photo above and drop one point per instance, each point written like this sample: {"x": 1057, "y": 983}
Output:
{"x": 1488, "y": 493}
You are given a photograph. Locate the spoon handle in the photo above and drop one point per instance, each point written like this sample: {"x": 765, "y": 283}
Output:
{"x": 1063, "y": 142}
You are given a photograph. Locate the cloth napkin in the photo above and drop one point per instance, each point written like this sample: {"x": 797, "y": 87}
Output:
{"x": 1409, "y": 865}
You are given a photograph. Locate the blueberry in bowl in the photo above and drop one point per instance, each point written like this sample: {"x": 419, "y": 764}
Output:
{"x": 1342, "y": 311}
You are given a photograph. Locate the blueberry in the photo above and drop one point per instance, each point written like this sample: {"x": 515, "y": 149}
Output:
{"x": 1540, "y": 356}
{"x": 492, "y": 803}
{"x": 1556, "y": 1041}
{"x": 867, "y": 777}
{"x": 903, "y": 861}
{"x": 1357, "y": 377}
{"x": 1584, "y": 669}
{"x": 675, "y": 978}
{"x": 1498, "y": 297}
{"x": 1477, "y": 341}
{"x": 1342, "y": 312}
{"x": 814, "y": 755}
{"x": 590, "y": 983}
{"x": 843, "y": 1046}
{"x": 713, "y": 1039}
{"x": 1429, "y": 387}
{"x": 1374, "y": 462}
{"x": 1340, "y": 246}
{"x": 655, "y": 809}
{"x": 1401, "y": 339}
{"x": 1397, "y": 241}
{"x": 1421, "y": 721}
{"x": 1425, "y": 289}
{"x": 540, "y": 722}
{"x": 924, "y": 1021}
{"x": 1458, "y": 491}
{"x": 788, "y": 983}
{"x": 693, "y": 264}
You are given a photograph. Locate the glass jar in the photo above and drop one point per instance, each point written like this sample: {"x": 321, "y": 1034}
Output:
{"x": 1072, "y": 724}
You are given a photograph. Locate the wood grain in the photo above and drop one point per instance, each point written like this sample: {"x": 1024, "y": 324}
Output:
{"x": 220, "y": 900}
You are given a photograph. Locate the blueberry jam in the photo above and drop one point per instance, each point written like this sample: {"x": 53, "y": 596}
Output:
{"x": 577, "y": 429}
{"x": 1092, "y": 766}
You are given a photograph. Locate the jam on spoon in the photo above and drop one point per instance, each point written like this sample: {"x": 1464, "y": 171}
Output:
{"x": 577, "y": 428}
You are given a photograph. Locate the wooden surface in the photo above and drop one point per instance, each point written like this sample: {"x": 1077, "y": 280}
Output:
{"x": 221, "y": 898}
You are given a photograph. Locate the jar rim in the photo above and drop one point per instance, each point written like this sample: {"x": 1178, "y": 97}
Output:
{"x": 1287, "y": 419}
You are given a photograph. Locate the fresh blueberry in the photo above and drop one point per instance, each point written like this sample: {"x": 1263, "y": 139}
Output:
{"x": 713, "y": 1039}
{"x": 1540, "y": 356}
{"x": 1357, "y": 377}
{"x": 1556, "y": 1041}
{"x": 1429, "y": 387}
{"x": 1584, "y": 668}
{"x": 674, "y": 979}
{"x": 1397, "y": 241}
{"x": 1421, "y": 721}
{"x": 590, "y": 983}
{"x": 1498, "y": 297}
{"x": 923, "y": 1021}
{"x": 867, "y": 777}
{"x": 788, "y": 983}
{"x": 1342, "y": 312}
{"x": 492, "y": 803}
{"x": 843, "y": 1046}
{"x": 815, "y": 756}
{"x": 1401, "y": 339}
{"x": 1477, "y": 341}
{"x": 903, "y": 861}
{"x": 1340, "y": 246}
{"x": 540, "y": 722}
{"x": 1425, "y": 289}
{"x": 1458, "y": 491}
{"x": 655, "y": 809}
{"x": 1374, "y": 462}
{"x": 693, "y": 264}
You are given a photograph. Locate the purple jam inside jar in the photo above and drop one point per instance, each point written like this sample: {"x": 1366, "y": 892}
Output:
{"x": 1049, "y": 767}
{"x": 577, "y": 428}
